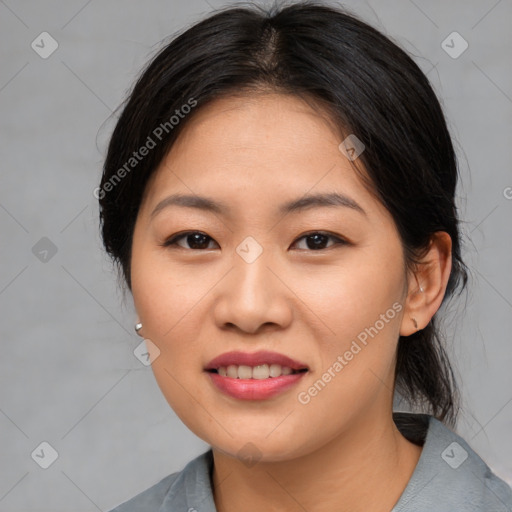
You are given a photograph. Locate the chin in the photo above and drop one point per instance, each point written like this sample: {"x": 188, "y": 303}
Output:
{"x": 253, "y": 449}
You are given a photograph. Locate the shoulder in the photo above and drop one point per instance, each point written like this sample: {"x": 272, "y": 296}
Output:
{"x": 151, "y": 499}
{"x": 450, "y": 476}
{"x": 177, "y": 491}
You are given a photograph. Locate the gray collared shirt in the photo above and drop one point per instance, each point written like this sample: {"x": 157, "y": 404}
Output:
{"x": 449, "y": 477}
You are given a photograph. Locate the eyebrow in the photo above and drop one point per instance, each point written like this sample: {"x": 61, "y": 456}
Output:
{"x": 310, "y": 201}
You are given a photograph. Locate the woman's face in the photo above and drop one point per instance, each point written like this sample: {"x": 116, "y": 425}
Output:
{"x": 322, "y": 284}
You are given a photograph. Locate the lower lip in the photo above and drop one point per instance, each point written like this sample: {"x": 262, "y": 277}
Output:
{"x": 255, "y": 389}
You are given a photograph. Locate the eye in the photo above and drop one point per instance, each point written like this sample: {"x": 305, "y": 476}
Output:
{"x": 195, "y": 239}
{"x": 316, "y": 240}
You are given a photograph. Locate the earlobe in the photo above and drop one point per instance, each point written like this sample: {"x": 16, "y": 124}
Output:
{"x": 427, "y": 284}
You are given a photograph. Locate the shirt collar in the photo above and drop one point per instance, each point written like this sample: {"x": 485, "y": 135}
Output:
{"x": 192, "y": 489}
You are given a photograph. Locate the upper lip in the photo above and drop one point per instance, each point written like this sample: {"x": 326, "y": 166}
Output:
{"x": 254, "y": 359}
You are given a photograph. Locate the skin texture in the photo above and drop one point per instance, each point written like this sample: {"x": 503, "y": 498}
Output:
{"x": 253, "y": 154}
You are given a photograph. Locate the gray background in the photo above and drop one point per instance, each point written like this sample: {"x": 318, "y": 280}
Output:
{"x": 68, "y": 373}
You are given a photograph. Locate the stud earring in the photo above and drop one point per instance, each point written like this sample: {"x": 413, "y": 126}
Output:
{"x": 138, "y": 327}
{"x": 421, "y": 289}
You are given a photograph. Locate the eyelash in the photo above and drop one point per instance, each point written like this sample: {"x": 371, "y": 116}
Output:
{"x": 175, "y": 238}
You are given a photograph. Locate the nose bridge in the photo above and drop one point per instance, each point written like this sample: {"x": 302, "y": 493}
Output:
{"x": 252, "y": 277}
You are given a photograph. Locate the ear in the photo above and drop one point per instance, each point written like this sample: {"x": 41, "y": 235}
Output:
{"x": 430, "y": 275}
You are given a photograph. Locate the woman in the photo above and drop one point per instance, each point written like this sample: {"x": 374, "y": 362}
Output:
{"x": 279, "y": 195}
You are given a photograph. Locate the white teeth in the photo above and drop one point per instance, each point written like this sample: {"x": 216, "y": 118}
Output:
{"x": 263, "y": 371}
{"x": 244, "y": 372}
{"x": 232, "y": 371}
{"x": 275, "y": 370}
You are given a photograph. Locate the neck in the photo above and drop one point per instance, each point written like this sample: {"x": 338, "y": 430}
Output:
{"x": 369, "y": 455}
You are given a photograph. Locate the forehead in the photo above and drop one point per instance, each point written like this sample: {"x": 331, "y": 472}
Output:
{"x": 260, "y": 147}
{"x": 259, "y": 120}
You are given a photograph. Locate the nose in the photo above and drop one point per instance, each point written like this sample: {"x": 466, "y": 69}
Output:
{"x": 253, "y": 297}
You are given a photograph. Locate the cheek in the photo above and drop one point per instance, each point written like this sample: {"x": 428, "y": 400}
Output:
{"x": 359, "y": 304}
{"x": 165, "y": 294}
{"x": 354, "y": 294}
{"x": 169, "y": 307}
{"x": 173, "y": 305}
{"x": 173, "y": 321}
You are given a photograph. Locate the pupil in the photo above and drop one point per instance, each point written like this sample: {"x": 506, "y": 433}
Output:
{"x": 319, "y": 239}
{"x": 198, "y": 241}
